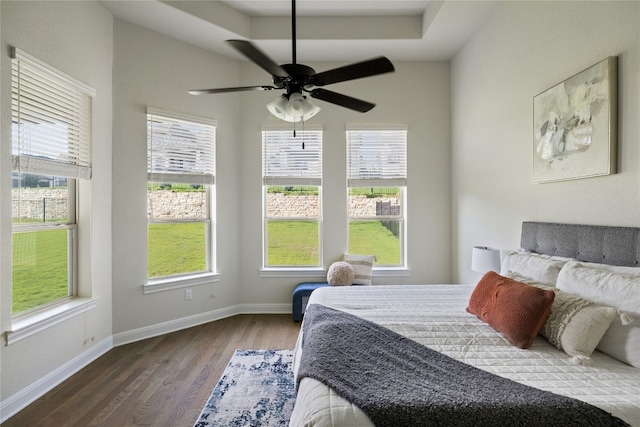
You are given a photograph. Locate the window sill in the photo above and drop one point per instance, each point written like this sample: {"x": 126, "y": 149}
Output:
{"x": 391, "y": 272}
{"x": 293, "y": 272}
{"x": 169, "y": 283}
{"x": 321, "y": 272}
{"x": 37, "y": 322}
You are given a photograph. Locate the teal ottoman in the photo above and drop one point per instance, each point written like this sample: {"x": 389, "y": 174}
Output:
{"x": 301, "y": 296}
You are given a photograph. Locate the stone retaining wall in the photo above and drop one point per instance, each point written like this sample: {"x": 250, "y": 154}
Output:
{"x": 181, "y": 204}
{"x": 42, "y": 204}
{"x": 378, "y": 206}
{"x": 282, "y": 205}
{"x": 52, "y": 204}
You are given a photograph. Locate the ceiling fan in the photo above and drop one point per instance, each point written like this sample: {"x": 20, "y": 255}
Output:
{"x": 298, "y": 79}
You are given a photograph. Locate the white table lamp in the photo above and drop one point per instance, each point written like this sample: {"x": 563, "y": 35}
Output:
{"x": 484, "y": 258}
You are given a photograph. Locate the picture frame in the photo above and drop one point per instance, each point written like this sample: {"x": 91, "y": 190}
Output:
{"x": 575, "y": 126}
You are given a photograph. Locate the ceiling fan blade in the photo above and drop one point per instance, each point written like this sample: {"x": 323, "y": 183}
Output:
{"x": 229, "y": 89}
{"x": 358, "y": 70}
{"x": 249, "y": 50}
{"x": 342, "y": 100}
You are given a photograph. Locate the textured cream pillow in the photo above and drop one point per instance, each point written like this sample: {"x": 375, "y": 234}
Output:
{"x": 340, "y": 273}
{"x": 541, "y": 268}
{"x": 575, "y": 325}
{"x": 362, "y": 266}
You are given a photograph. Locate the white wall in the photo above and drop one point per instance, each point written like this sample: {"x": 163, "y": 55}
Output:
{"x": 151, "y": 69}
{"x": 76, "y": 38}
{"x": 154, "y": 70}
{"x": 417, "y": 95}
{"x": 523, "y": 50}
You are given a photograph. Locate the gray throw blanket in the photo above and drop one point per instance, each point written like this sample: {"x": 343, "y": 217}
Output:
{"x": 399, "y": 382}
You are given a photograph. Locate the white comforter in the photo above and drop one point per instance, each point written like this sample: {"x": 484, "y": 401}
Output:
{"x": 435, "y": 316}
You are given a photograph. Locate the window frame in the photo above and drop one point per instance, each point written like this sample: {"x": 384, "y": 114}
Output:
{"x": 207, "y": 179}
{"x": 40, "y": 86}
{"x": 275, "y": 178}
{"x": 66, "y": 154}
{"x": 396, "y": 177}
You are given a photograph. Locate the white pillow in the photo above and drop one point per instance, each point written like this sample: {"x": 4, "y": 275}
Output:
{"x": 618, "y": 290}
{"x": 622, "y": 342}
{"x": 632, "y": 271}
{"x": 622, "y": 291}
{"x": 362, "y": 267}
{"x": 541, "y": 268}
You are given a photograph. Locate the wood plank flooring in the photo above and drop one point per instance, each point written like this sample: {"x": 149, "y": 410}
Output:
{"x": 162, "y": 381}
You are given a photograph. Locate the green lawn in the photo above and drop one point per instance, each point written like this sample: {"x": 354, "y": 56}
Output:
{"x": 296, "y": 242}
{"x": 39, "y": 268}
{"x": 40, "y": 258}
{"x": 292, "y": 243}
{"x": 176, "y": 248}
{"x": 372, "y": 238}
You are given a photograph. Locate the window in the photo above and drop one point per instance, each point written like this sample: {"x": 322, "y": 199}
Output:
{"x": 51, "y": 151}
{"x": 376, "y": 192}
{"x": 181, "y": 176}
{"x": 292, "y": 184}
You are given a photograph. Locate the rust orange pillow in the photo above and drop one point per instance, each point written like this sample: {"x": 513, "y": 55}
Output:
{"x": 511, "y": 307}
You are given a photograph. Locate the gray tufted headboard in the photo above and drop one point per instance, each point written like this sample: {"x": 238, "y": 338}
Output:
{"x": 590, "y": 243}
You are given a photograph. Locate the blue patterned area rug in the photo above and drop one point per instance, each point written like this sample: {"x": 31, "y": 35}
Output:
{"x": 256, "y": 389}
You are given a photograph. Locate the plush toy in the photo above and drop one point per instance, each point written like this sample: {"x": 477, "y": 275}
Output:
{"x": 340, "y": 273}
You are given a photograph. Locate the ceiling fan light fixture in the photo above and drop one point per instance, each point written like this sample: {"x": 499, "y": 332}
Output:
{"x": 279, "y": 107}
{"x": 302, "y": 105}
{"x": 293, "y": 109}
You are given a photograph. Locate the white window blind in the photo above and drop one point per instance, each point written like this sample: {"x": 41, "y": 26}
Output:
{"x": 181, "y": 149}
{"x": 377, "y": 157}
{"x": 289, "y": 160}
{"x": 51, "y": 120}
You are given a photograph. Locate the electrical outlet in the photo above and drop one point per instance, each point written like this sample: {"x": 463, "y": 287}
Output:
{"x": 188, "y": 295}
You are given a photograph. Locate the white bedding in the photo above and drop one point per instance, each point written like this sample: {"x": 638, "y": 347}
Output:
{"x": 435, "y": 315}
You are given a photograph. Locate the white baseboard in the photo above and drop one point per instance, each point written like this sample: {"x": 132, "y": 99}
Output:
{"x": 29, "y": 394}
{"x": 264, "y": 309}
{"x": 195, "y": 320}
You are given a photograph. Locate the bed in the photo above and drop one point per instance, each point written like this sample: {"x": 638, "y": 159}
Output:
{"x": 552, "y": 257}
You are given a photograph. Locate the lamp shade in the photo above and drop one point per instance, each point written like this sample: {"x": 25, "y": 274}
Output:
{"x": 484, "y": 258}
{"x": 293, "y": 108}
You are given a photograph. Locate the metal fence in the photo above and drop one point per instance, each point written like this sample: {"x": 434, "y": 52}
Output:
{"x": 45, "y": 209}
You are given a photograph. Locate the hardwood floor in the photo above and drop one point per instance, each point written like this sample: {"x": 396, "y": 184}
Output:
{"x": 162, "y": 381}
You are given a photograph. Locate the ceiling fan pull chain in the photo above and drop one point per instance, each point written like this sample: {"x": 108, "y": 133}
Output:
{"x": 294, "y": 132}
{"x": 303, "y": 134}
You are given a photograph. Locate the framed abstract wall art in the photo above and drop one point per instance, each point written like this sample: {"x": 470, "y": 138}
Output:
{"x": 575, "y": 126}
